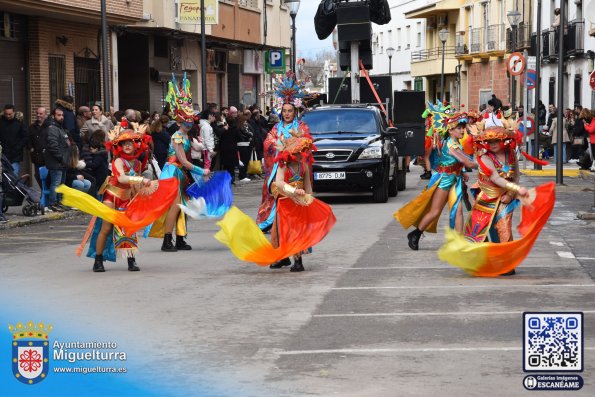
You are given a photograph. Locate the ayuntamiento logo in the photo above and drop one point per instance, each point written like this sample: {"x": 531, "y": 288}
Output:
{"x": 30, "y": 352}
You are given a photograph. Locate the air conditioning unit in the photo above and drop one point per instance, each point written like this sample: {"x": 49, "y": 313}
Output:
{"x": 442, "y": 20}
{"x": 432, "y": 23}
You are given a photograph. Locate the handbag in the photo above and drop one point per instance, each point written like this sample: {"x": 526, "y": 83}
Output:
{"x": 254, "y": 165}
{"x": 578, "y": 141}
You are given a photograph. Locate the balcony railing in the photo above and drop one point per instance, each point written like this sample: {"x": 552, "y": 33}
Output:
{"x": 575, "y": 37}
{"x": 476, "y": 40}
{"x": 523, "y": 38}
{"x": 460, "y": 45}
{"x": 494, "y": 38}
{"x": 432, "y": 53}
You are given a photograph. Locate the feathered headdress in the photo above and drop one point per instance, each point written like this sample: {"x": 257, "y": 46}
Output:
{"x": 179, "y": 98}
{"x": 436, "y": 115}
{"x": 299, "y": 142}
{"x": 288, "y": 90}
{"x": 127, "y": 131}
{"x": 456, "y": 119}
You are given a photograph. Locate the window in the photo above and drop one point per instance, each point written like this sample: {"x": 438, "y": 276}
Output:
{"x": 407, "y": 37}
{"x": 381, "y": 43}
{"x": 390, "y": 38}
{"x": 577, "y": 89}
{"x": 418, "y": 84}
{"x": 248, "y": 3}
{"x": 418, "y": 34}
{"x": 398, "y": 39}
{"x": 57, "y": 77}
{"x": 552, "y": 91}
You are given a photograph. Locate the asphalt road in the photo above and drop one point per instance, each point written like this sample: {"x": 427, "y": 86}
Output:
{"x": 369, "y": 317}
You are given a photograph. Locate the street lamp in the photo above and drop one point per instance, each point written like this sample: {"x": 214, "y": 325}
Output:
{"x": 294, "y": 6}
{"x": 390, "y": 52}
{"x": 514, "y": 18}
{"x": 443, "y": 34}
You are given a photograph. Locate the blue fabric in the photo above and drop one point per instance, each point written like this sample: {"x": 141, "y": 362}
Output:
{"x": 216, "y": 192}
{"x": 16, "y": 166}
{"x": 109, "y": 252}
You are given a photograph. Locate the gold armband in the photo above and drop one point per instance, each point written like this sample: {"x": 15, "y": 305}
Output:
{"x": 135, "y": 179}
{"x": 287, "y": 188}
{"x": 512, "y": 187}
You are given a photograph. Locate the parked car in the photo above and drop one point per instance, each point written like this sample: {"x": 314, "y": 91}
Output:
{"x": 356, "y": 151}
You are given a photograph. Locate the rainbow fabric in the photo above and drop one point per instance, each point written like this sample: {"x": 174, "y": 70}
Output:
{"x": 495, "y": 259}
{"x": 301, "y": 228}
{"x": 141, "y": 211}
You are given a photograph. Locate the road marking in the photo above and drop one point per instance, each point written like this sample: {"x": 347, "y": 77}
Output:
{"x": 435, "y": 267}
{"x": 468, "y": 286}
{"x": 585, "y": 258}
{"x": 405, "y": 350}
{"x": 412, "y": 314}
{"x": 557, "y": 243}
{"x": 565, "y": 254}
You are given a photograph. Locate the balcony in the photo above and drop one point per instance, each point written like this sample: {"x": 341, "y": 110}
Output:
{"x": 574, "y": 40}
{"x": 476, "y": 40}
{"x": 461, "y": 49}
{"x": 428, "y": 62}
{"x": 523, "y": 38}
{"x": 495, "y": 41}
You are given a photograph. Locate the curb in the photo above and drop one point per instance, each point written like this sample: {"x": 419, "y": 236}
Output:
{"x": 41, "y": 219}
{"x": 586, "y": 216}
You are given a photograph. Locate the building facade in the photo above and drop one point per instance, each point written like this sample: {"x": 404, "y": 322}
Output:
{"x": 405, "y": 36}
{"x": 579, "y": 53}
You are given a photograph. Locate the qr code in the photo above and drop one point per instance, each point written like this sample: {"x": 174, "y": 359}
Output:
{"x": 553, "y": 342}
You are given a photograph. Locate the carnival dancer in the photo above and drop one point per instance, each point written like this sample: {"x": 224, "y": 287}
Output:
{"x": 178, "y": 166}
{"x": 446, "y": 185}
{"x": 289, "y": 93}
{"x": 491, "y": 216}
{"x": 129, "y": 201}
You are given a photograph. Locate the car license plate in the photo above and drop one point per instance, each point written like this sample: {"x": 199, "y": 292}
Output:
{"x": 318, "y": 176}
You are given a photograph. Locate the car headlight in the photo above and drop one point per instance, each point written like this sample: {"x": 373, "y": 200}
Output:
{"x": 371, "y": 153}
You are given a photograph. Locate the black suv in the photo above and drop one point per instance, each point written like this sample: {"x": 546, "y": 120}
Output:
{"x": 356, "y": 151}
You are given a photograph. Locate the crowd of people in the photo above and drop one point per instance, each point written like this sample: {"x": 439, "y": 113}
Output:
{"x": 70, "y": 143}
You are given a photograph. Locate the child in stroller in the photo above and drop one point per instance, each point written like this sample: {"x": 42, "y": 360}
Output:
{"x": 13, "y": 191}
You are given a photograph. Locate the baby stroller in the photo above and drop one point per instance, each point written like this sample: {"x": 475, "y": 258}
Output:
{"x": 15, "y": 190}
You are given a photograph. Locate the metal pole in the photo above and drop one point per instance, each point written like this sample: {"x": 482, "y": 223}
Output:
{"x": 203, "y": 55}
{"x": 512, "y": 77}
{"x": 442, "y": 74}
{"x": 293, "y": 54}
{"x": 355, "y": 72}
{"x": 559, "y": 143}
{"x": 390, "y": 64}
{"x": 525, "y": 106}
{"x": 537, "y": 86}
{"x": 105, "y": 64}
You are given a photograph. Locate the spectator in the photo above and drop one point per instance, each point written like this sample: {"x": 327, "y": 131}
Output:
{"x": 161, "y": 140}
{"x": 76, "y": 177}
{"x": 259, "y": 125}
{"x": 580, "y": 146}
{"x": 207, "y": 136}
{"x": 56, "y": 155}
{"x": 13, "y": 138}
{"x": 66, "y": 104}
{"x": 233, "y": 113}
{"x": 541, "y": 113}
{"x": 98, "y": 123}
{"x": 37, "y": 142}
{"x": 95, "y": 157}
{"x": 245, "y": 145}
{"x": 228, "y": 146}
{"x": 551, "y": 114}
{"x": 590, "y": 128}
{"x": 497, "y": 103}
{"x": 83, "y": 114}
{"x": 565, "y": 139}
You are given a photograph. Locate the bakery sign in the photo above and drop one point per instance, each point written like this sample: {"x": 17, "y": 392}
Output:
{"x": 189, "y": 12}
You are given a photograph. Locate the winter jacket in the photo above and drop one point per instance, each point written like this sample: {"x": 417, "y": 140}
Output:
{"x": 206, "y": 135}
{"x": 554, "y": 132}
{"x": 228, "y": 145}
{"x": 92, "y": 126}
{"x": 13, "y": 138}
{"x": 37, "y": 143}
{"x": 56, "y": 153}
{"x": 97, "y": 165}
{"x": 590, "y": 128}
{"x": 70, "y": 121}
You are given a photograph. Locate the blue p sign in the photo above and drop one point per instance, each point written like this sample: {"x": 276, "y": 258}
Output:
{"x": 276, "y": 58}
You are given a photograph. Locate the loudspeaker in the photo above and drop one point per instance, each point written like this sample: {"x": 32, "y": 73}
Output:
{"x": 344, "y": 92}
{"x": 409, "y": 106}
{"x": 355, "y": 32}
{"x": 356, "y": 12}
{"x": 382, "y": 85}
{"x": 411, "y": 139}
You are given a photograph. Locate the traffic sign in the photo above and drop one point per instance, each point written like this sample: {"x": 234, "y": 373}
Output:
{"x": 531, "y": 79}
{"x": 516, "y": 63}
{"x": 592, "y": 80}
{"x": 530, "y": 125}
{"x": 275, "y": 61}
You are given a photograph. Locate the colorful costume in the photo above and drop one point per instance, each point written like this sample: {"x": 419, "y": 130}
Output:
{"x": 135, "y": 204}
{"x": 446, "y": 176}
{"x": 491, "y": 216}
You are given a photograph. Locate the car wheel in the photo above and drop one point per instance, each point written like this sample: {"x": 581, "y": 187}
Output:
{"x": 380, "y": 192}
{"x": 393, "y": 188}
{"x": 401, "y": 179}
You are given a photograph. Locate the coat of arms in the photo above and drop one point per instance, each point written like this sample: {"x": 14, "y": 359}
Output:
{"x": 30, "y": 352}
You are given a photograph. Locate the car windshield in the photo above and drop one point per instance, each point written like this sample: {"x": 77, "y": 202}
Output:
{"x": 341, "y": 121}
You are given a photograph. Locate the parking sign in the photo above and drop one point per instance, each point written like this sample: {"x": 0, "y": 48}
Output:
{"x": 275, "y": 61}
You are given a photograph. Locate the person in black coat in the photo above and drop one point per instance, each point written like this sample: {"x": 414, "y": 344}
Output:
{"x": 56, "y": 155}
{"x": 161, "y": 139}
{"x": 13, "y": 137}
{"x": 66, "y": 104}
{"x": 96, "y": 160}
{"x": 228, "y": 145}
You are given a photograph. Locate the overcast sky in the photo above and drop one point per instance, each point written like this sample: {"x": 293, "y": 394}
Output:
{"x": 307, "y": 42}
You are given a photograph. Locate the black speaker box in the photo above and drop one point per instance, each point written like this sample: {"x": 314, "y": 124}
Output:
{"x": 409, "y": 106}
{"x": 382, "y": 85}
{"x": 411, "y": 139}
{"x": 344, "y": 95}
{"x": 354, "y": 12}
